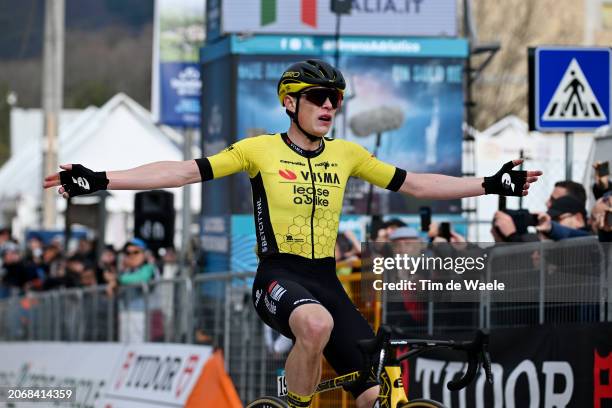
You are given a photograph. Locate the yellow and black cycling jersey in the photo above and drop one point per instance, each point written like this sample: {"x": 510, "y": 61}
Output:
{"x": 297, "y": 194}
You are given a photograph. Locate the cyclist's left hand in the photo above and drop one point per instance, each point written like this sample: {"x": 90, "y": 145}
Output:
{"x": 510, "y": 182}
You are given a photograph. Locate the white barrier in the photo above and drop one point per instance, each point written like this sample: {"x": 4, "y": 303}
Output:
{"x": 106, "y": 375}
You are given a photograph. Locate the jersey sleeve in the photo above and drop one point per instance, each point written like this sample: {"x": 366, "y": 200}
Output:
{"x": 372, "y": 170}
{"x": 233, "y": 159}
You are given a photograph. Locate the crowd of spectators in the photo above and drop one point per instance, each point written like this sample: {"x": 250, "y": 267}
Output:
{"x": 40, "y": 266}
{"x": 566, "y": 216}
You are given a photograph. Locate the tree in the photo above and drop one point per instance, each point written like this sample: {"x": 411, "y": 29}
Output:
{"x": 517, "y": 24}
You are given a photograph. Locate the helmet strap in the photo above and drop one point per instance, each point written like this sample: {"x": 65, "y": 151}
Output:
{"x": 294, "y": 118}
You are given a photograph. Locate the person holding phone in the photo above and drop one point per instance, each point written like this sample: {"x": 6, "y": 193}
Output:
{"x": 601, "y": 217}
{"x": 566, "y": 218}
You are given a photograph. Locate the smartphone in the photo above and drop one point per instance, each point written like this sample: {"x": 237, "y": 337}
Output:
{"x": 522, "y": 219}
{"x": 425, "y": 213}
{"x": 603, "y": 169}
{"x": 608, "y": 218}
{"x": 444, "y": 231}
{"x": 532, "y": 220}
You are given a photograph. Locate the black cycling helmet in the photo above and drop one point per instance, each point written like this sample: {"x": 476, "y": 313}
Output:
{"x": 309, "y": 73}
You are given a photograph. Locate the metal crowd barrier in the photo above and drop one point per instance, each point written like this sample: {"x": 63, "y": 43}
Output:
{"x": 217, "y": 309}
{"x": 541, "y": 274}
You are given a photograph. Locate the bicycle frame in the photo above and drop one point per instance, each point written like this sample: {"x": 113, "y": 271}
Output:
{"x": 391, "y": 386}
{"x": 387, "y": 372}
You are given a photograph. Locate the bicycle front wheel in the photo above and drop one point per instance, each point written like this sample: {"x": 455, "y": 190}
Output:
{"x": 268, "y": 402}
{"x": 422, "y": 403}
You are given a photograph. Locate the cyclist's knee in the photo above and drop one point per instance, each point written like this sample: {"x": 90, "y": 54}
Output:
{"x": 311, "y": 325}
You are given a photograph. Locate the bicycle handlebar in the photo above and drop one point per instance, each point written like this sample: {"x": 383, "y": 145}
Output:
{"x": 476, "y": 350}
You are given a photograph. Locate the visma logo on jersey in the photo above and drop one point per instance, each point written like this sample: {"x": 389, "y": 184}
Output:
{"x": 318, "y": 177}
{"x": 325, "y": 177}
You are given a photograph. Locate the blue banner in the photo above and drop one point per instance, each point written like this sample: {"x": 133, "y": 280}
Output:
{"x": 180, "y": 86}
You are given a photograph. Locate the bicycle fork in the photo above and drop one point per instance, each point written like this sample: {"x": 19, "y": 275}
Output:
{"x": 392, "y": 392}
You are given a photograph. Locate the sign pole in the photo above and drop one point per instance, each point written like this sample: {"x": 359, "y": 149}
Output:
{"x": 569, "y": 154}
{"x": 186, "y": 210}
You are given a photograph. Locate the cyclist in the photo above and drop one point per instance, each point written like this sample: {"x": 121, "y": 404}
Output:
{"x": 298, "y": 180}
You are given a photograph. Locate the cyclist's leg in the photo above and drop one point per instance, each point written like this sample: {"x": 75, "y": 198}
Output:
{"x": 286, "y": 306}
{"x": 311, "y": 325}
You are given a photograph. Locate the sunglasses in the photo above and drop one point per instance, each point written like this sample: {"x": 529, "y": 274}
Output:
{"x": 318, "y": 96}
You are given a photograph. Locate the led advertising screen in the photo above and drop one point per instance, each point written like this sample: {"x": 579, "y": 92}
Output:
{"x": 427, "y": 91}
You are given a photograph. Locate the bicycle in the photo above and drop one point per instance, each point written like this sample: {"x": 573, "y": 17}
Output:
{"x": 381, "y": 360}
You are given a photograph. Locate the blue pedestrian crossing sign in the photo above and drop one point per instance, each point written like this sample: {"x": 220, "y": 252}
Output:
{"x": 570, "y": 88}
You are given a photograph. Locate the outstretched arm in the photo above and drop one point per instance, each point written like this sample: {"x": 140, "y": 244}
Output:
{"x": 441, "y": 187}
{"x": 163, "y": 174}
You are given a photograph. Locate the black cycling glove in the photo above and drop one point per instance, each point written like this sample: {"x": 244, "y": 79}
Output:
{"x": 80, "y": 180}
{"x": 506, "y": 182}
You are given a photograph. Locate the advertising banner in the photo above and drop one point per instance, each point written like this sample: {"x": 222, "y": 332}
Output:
{"x": 544, "y": 366}
{"x": 155, "y": 374}
{"x": 113, "y": 375}
{"x": 367, "y": 17}
{"x": 178, "y": 36}
{"x": 51, "y": 365}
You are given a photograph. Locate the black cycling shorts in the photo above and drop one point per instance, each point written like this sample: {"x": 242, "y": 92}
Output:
{"x": 285, "y": 282}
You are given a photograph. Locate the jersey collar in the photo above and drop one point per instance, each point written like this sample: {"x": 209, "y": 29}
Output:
{"x": 305, "y": 153}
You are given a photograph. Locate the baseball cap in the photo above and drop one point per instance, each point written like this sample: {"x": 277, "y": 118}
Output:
{"x": 566, "y": 204}
{"x": 8, "y": 246}
{"x": 403, "y": 233}
{"x": 137, "y": 242}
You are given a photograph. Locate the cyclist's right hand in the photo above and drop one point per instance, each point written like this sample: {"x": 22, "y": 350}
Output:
{"x": 76, "y": 180}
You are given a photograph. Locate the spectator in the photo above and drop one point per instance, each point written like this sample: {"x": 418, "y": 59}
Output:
{"x": 601, "y": 218}
{"x": 347, "y": 253}
{"x": 137, "y": 269}
{"x": 504, "y": 229}
{"x": 16, "y": 276}
{"x": 565, "y": 188}
{"x": 74, "y": 268}
{"x": 5, "y": 235}
{"x": 602, "y": 183}
{"x": 34, "y": 250}
{"x": 566, "y": 218}
{"x": 107, "y": 265}
{"x": 85, "y": 250}
{"x": 88, "y": 275}
{"x": 53, "y": 266}
{"x": 406, "y": 313}
{"x": 387, "y": 228}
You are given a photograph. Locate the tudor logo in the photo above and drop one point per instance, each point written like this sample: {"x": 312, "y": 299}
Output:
{"x": 287, "y": 174}
{"x": 187, "y": 374}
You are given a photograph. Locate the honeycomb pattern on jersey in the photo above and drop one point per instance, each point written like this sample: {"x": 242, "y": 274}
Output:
{"x": 300, "y": 242}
